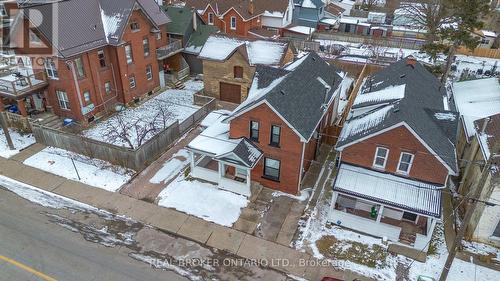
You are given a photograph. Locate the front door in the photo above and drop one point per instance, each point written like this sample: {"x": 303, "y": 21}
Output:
{"x": 230, "y": 92}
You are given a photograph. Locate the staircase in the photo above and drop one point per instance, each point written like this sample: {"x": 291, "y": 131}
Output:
{"x": 49, "y": 120}
{"x": 178, "y": 85}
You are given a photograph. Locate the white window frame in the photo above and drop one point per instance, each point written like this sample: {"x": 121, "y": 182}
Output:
{"x": 385, "y": 158}
{"x": 158, "y": 35}
{"x": 101, "y": 58}
{"x": 3, "y": 11}
{"x": 149, "y": 72}
{"x": 146, "y": 47}
{"x": 107, "y": 87}
{"x": 409, "y": 164}
{"x": 86, "y": 97}
{"x": 210, "y": 18}
{"x": 132, "y": 82}
{"x": 233, "y": 27}
{"x": 50, "y": 69}
{"x": 266, "y": 166}
{"x": 129, "y": 55}
{"x": 63, "y": 100}
{"x": 80, "y": 67}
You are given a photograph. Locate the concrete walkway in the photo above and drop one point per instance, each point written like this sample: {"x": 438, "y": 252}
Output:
{"x": 270, "y": 254}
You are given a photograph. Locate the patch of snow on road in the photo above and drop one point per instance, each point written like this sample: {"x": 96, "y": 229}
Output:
{"x": 203, "y": 200}
{"x": 42, "y": 197}
{"x": 171, "y": 167}
{"x": 19, "y": 140}
{"x": 93, "y": 172}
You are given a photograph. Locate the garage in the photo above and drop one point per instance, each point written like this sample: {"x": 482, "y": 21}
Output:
{"x": 230, "y": 92}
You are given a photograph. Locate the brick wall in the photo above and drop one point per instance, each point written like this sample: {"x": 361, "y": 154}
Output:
{"x": 224, "y": 24}
{"x": 426, "y": 167}
{"x": 289, "y": 152}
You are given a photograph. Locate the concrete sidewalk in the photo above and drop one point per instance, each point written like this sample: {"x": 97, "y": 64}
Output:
{"x": 270, "y": 254}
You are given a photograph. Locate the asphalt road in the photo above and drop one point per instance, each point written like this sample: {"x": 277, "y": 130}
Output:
{"x": 34, "y": 248}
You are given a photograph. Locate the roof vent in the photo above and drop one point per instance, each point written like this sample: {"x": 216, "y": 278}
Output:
{"x": 282, "y": 92}
{"x": 411, "y": 61}
{"x": 402, "y": 76}
{"x": 396, "y": 109}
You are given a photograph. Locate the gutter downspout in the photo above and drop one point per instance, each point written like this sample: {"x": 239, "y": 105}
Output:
{"x": 301, "y": 166}
{"x": 77, "y": 87}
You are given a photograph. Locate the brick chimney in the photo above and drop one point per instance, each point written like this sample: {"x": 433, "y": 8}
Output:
{"x": 411, "y": 60}
{"x": 250, "y": 7}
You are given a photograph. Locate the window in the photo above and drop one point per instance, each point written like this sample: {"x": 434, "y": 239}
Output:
{"x": 158, "y": 36}
{"x": 131, "y": 81}
{"x": 62, "y": 97}
{"x": 3, "y": 12}
{"x": 238, "y": 72}
{"x": 254, "y": 130}
{"x": 134, "y": 26}
{"x": 405, "y": 161}
{"x": 34, "y": 38}
{"x": 50, "y": 69}
{"x": 233, "y": 22}
{"x": 272, "y": 169}
{"x": 496, "y": 232}
{"x": 107, "y": 87}
{"x": 211, "y": 18}
{"x": 128, "y": 54}
{"x": 145, "y": 46}
{"x": 149, "y": 72}
{"x": 485, "y": 41}
{"x": 86, "y": 96}
{"x": 275, "y": 135}
{"x": 380, "y": 157}
{"x": 80, "y": 71}
{"x": 102, "y": 59}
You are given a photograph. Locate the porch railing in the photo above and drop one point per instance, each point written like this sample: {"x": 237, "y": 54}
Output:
{"x": 175, "y": 76}
{"x": 173, "y": 47}
{"x": 15, "y": 85}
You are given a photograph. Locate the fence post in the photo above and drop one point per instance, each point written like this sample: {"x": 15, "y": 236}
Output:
{"x": 3, "y": 123}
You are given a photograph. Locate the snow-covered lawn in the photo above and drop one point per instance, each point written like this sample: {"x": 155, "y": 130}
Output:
{"x": 93, "y": 172}
{"x": 171, "y": 167}
{"x": 20, "y": 141}
{"x": 203, "y": 200}
{"x": 143, "y": 122}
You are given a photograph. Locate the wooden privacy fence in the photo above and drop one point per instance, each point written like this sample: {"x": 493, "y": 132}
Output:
{"x": 480, "y": 52}
{"x": 136, "y": 159}
{"x": 392, "y": 42}
{"x": 17, "y": 121}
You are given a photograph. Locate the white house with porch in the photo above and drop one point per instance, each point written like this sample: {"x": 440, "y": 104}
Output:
{"x": 384, "y": 205}
{"x": 218, "y": 159}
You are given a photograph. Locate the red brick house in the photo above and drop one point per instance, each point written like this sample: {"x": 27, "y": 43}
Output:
{"x": 272, "y": 137}
{"x": 113, "y": 53}
{"x": 244, "y": 17}
{"x": 397, "y": 151}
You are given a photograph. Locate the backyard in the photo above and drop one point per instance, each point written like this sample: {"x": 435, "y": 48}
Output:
{"x": 134, "y": 126}
{"x": 19, "y": 139}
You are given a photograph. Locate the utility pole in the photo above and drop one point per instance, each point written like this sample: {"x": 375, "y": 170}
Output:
{"x": 471, "y": 206}
{"x": 5, "y": 128}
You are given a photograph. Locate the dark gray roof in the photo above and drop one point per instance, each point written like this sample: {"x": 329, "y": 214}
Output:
{"x": 247, "y": 154}
{"x": 83, "y": 25}
{"x": 295, "y": 91}
{"x": 422, "y": 108}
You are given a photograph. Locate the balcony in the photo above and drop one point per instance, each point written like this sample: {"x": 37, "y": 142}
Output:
{"x": 15, "y": 85}
{"x": 174, "y": 47}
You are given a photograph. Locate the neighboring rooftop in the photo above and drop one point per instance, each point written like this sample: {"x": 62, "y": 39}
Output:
{"x": 102, "y": 23}
{"x": 220, "y": 48}
{"x": 181, "y": 19}
{"x": 199, "y": 37}
{"x": 404, "y": 93}
{"x": 241, "y": 6}
{"x": 474, "y": 104}
{"x": 490, "y": 135}
{"x": 299, "y": 92}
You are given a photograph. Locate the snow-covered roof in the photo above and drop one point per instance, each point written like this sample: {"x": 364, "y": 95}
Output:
{"x": 488, "y": 33}
{"x": 390, "y": 93}
{"x": 220, "y": 48}
{"x": 215, "y": 141}
{"x": 302, "y": 29}
{"x": 476, "y": 99}
{"x": 489, "y": 136}
{"x": 403, "y": 193}
{"x": 329, "y": 21}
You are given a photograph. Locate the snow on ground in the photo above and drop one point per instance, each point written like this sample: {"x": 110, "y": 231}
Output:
{"x": 177, "y": 103}
{"x": 203, "y": 200}
{"x": 93, "y": 172}
{"x": 171, "y": 167}
{"x": 304, "y": 194}
{"x": 20, "y": 141}
{"x": 481, "y": 249}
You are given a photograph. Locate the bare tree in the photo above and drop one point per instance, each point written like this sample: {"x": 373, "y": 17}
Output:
{"x": 135, "y": 132}
{"x": 369, "y": 4}
{"x": 428, "y": 14}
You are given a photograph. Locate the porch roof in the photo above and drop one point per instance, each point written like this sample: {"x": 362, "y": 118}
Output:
{"x": 215, "y": 141}
{"x": 411, "y": 195}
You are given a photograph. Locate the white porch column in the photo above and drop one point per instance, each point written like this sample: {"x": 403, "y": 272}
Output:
{"x": 380, "y": 211}
{"x": 334, "y": 200}
{"x": 191, "y": 157}
{"x": 221, "y": 171}
{"x": 432, "y": 226}
{"x": 249, "y": 177}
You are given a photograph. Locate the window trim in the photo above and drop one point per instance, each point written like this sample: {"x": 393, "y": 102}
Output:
{"x": 271, "y": 143}
{"x": 231, "y": 23}
{"x": 147, "y": 51}
{"x": 89, "y": 101}
{"x": 64, "y": 103}
{"x": 375, "y": 165}
{"x": 210, "y": 17}
{"x": 51, "y": 71}
{"x": 130, "y": 79}
{"x": 79, "y": 69}
{"x": 251, "y": 130}
{"x": 106, "y": 89}
{"x": 409, "y": 164}
{"x": 132, "y": 23}
{"x": 234, "y": 71}
{"x": 150, "y": 68}
{"x": 129, "y": 56}
{"x": 102, "y": 60}
{"x": 270, "y": 177}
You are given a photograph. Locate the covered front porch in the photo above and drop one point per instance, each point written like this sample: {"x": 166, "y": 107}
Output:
{"x": 384, "y": 205}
